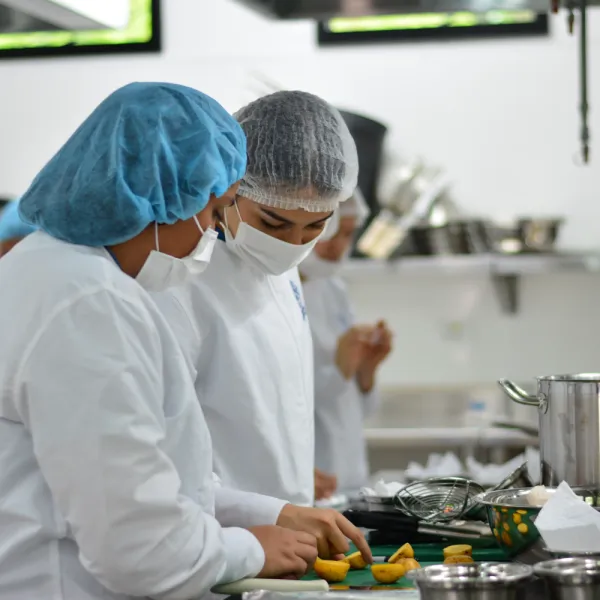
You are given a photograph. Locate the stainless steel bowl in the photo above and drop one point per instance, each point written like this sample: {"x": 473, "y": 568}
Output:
{"x": 512, "y": 520}
{"x": 492, "y": 581}
{"x": 571, "y": 578}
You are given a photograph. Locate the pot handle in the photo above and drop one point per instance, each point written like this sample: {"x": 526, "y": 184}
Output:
{"x": 517, "y": 394}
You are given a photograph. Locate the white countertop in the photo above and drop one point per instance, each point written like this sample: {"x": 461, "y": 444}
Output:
{"x": 429, "y": 437}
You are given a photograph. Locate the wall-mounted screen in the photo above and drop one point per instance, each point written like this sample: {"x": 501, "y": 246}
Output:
{"x": 31, "y": 28}
{"x": 432, "y": 26}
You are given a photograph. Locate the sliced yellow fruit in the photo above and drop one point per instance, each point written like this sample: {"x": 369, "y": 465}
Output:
{"x": 409, "y": 564}
{"x": 332, "y": 571}
{"x": 388, "y": 573}
{"x": 405, "y": 551}
{"x": 458, "y": 550}
{"x": 456, "y": 559}
{"x": 356, "y": 561}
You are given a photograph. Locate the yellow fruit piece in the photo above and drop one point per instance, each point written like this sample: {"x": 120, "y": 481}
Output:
{"x": 456, "y": 559}
{"x": 458, "y": 550}
{"x": 506, "y": 539}
{"x": 409, "y": 564}
{"x": 517, "y": 518}
{"x": 356, "y": 561}
{"x": 522, "y": 528}
{"x": 522, "y": 512}
{"x": 405, "y": 551}
{"x": 388, "y": 573}
{"x": 332, "y": 571}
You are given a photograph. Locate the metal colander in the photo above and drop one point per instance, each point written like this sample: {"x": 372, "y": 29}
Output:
{"x": 438, "y": 500}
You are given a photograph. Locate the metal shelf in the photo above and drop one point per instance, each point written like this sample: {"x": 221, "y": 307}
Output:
{"x": 505, "y": 271}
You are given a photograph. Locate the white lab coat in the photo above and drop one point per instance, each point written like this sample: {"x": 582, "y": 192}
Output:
{"x": 340, "y": 405}
{"x": 106, "y": 487}
{"x": 252, "y": 349}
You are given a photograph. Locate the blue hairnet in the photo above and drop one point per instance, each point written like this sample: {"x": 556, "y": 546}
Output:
{"x": 150, "y": 152}
{"x": 11, "y": 225}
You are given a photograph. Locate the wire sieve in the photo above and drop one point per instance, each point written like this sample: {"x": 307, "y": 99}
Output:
{"x": 438, "y": 500}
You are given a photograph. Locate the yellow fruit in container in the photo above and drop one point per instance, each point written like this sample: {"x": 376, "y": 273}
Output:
{"x": 409, "y": 564}
{"x": 405, "y": 551}
{"x": 458, "y": 560}
{"x": 356, "y": 561}
{"x": 388, "y": 573}
{"x": 458, "y": 550}
{"x": 332, "y": 571}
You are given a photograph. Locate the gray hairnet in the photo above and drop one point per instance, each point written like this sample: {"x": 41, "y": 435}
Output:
{"x": 300, "y": 153}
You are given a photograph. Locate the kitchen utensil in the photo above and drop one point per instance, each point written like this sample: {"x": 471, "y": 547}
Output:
{"x": 523, "y": 235}
{"x": 438, "y": 500}
{"x": 571, "y": 578}
{"x": 410, "y": 526}
{"x": 569, "y": 416}
{"x": 485, "y": 581}
{"x": 271, "y": 585}
{"x": 519, "y": 478}
{"x": 511, "y": 518}
{"x": 453, "y": 237}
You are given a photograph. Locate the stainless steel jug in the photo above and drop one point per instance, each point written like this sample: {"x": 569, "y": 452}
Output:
{"x": 569, "y": 416}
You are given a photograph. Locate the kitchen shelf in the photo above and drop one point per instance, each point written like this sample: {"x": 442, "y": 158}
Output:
{"x": 505, "y": 271}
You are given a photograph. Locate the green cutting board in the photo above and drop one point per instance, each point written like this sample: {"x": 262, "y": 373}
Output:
{"x": 426, "y": 554}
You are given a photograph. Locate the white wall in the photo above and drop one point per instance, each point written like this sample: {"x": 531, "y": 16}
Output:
{"x": 501, "y": 116}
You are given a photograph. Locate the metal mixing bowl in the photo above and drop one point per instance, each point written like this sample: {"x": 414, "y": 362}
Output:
{"x": 466, "y": 582}
{"x": 512, "y": 521}
{"x": 571, "y": 578}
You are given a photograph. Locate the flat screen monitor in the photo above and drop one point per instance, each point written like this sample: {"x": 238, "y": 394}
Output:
{"x": 32, "y": 28}
{"x": 431, "y": 26}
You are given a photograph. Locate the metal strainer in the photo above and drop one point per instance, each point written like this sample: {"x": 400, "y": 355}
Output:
{"x": 438, "y": 500}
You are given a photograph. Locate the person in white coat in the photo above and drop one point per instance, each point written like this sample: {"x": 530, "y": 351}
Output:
{"x": 12, "y": 228}
{"x": 252, "y": 344}
{"x": 347, "y": 355}
{"x": 106, "y": 488}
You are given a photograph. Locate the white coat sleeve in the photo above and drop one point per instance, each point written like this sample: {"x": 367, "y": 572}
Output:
{"x": 234, "y": 508}
{"x": 91, "y": 395}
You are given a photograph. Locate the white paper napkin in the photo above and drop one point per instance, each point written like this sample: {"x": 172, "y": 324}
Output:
{"x": 568, "y": 524}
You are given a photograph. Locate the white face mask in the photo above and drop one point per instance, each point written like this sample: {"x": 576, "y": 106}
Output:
{"x": 162, "y": 271}
{"x": 270, "y": 255}
{"x": 315, "y": 267}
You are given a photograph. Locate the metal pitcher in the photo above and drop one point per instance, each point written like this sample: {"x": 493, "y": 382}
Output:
{"x": 569, "y": 415}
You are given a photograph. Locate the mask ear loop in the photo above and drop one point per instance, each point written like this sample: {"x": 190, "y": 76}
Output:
{"x": 198, "y": 224}
{"x": 156, "y": 236}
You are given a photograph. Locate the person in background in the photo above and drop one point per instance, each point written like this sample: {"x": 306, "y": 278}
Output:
{"x": 347, "y": 355}
{"x": 12, "y": 227}
{"x": 251, "y": 341}
{"x": 106, "y": 487}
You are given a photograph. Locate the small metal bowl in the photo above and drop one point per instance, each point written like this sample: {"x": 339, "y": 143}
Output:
{"x": 494, "y": 581}
{"x": 571, "y": 578}
{"x": 512, "y": 521}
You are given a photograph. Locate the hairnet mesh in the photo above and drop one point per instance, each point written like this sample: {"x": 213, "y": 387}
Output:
{"x": 11, "y": 225}
{"x": 300, "y": 153}
{"x": 151, "y": 152}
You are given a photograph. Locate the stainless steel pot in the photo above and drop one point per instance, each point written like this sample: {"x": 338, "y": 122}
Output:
{"x": 485, "y": 581}
{"x": 569, "y": 416}
{"x": 571, "y": 578}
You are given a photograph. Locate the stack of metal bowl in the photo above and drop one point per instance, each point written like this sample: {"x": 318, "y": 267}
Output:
{"x": 492, "y": 581}
{"x": 571, "y": 578}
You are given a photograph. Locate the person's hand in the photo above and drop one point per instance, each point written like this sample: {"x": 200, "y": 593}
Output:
{"x": 352, "y": 349}
{"x": 325, "y": 485}
{"x": 379, "y": 347}
{"x": 288, "y": 553}
{"x": 331, "y": 529}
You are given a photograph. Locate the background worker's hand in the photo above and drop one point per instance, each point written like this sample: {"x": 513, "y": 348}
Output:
{"x": 378, "y": 349}
{"x": 287, "y": 552}
{"x": 331, "y": 529}
{"x": 352, "y": 349}
{"x": 325, "y": 485}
